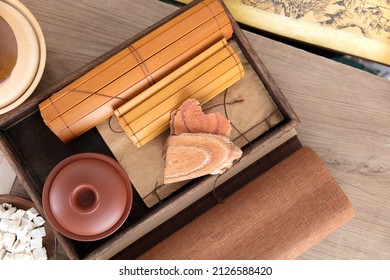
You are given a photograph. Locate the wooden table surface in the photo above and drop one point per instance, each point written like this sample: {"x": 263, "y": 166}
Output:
{"x": 344, "y": 112}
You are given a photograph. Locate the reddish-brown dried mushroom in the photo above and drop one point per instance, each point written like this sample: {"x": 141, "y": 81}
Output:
{"x": 189, "y": 118}
{"x": 191, "y": 155}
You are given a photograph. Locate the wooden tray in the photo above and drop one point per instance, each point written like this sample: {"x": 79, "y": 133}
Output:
{"x": 34, "y": 150}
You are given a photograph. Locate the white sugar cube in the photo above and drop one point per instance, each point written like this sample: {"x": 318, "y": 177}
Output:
{"x": 22, "y": 256}
{"x": 2, "y": 253}
{"x": 4, "y": 225}
{"x": 31, "y": 213}
{"x": 40, "y": 254}
{"x": 13, "y": 226}
{"x": 26, "y": 221}
{"x": 38, "y": 232}
{"x": 2, "y": 210}
{"x": 1, "y": 240}
{"x": 8, "y": 213}
{"x": 14, "y": 246}
{"x": 38, "y": 221}
{"x": 8, "y": 240}
{"x": 27, "y": 238}
{"x": 22, "y": 232}
{"x": 35, "y": 243}
{"x": 19, "y": 246}
{"x": 18, "y": 215}
{"x": 8, "y": 256}
{"x": 28, "y": 253}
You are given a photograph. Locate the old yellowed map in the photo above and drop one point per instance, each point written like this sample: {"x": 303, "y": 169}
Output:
{"x": 361, "y": 17}
{"x": 357, "y": 27}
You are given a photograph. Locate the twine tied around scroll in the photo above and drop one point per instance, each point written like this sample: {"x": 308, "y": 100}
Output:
{"x": 121, "y": 131}
{"x": 95, "y": 93}
{"x": 103, "y": 95}
{"x": 225, "y": 104}
{"x": 82, "y": 92}
{"x": 111, "y": 127}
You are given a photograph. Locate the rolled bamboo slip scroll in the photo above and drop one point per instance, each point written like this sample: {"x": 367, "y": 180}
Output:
{"x": 93, "y": 97}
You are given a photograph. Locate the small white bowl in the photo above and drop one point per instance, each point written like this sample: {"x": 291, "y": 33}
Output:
{"x": 31, "y": 60}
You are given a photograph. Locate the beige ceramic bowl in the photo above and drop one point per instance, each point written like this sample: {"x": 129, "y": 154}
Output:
{"x": 23, "y": 46}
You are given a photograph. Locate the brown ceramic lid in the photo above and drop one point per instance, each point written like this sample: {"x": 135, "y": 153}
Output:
{"x": 87, "y": 196}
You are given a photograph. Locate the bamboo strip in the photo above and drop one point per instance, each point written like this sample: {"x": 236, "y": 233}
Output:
{"x": 78, "y": 124}
{"x": 92, "y": 118}
{"x": 148, "y": 114}
{"x": 95, "y": 116}
{"x": 103, "y": 97}
{"x": 139, "y": 43}
{"x": 50, "y": 111}
{"x": 170, "y": 77}
{"x": 208, "y": 32}
{"x": 186, "y": 26}
{"x": 169, "y": 62}
{"x": 101, "y": 67}
{"x": 120, "y": 55}
{"x": 139, "y": 142}
{"x": 176, "y": 93}
{"x": 171, "y": 24}
{"x": 64, "y": 101}
{"x": 142, "y": 128}
{"x": 171, "y": 83}
{"x": 109, "y": 84}
{"x": 89, "y": 96}
{"x": 177, "y": 20}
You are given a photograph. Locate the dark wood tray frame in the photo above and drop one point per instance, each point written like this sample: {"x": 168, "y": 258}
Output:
{"x": 33, "y": 150}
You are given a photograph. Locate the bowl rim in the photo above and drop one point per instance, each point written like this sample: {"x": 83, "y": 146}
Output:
{"x": 42, "y": 54}
{"x": 27, "y": 62}
{"x": 52, "y": 175}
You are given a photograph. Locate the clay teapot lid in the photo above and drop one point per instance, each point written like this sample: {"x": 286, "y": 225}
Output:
{"x": 87, "y": 196}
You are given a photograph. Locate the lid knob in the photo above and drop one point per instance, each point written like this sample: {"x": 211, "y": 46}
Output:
{"x": 84, "y": 199}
